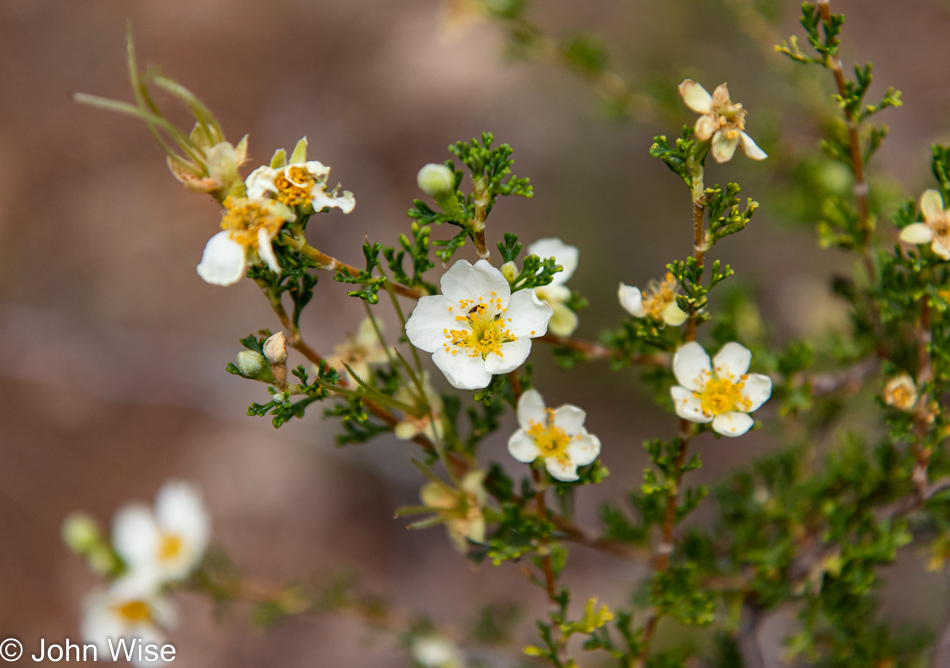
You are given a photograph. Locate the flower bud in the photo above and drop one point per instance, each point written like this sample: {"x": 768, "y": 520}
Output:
{"x": 102, "y": 560}
{"x": 435, "y": 179}
{"x": 901, "y": 392}
{"x": 275, "y": 348}
{"x": 510, "y": 271}
{"x": 81, "y": 533}
{"x": 252, "y": 364}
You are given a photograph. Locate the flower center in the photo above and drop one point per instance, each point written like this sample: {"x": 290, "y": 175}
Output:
{"x": 659, "y": 296}
{"x": 170, "y": 547}
{"x": 483, "y": 328}
{"x": 721, "y": 395}
{"x": 552, "y": 441}
{"x": 244, "y": 218}
{"x": 294, "y": 185}
{"x": 134, "y": 611}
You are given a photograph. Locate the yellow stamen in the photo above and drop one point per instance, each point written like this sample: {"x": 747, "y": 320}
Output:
{"x": 482, "y": 329}
{"x": 659, "y": 295}
{"x": 294, "y": 185}
{"x": 135, "y": 611}
{"x": 244, "y": 218}
{"x": 170, "y": 547}
{"x": 721, "y": 395}
{"x": 551, "y": 440}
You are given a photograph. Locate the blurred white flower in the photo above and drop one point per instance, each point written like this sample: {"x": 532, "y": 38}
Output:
{"x": 461, "y": 509}
{"x": 721, "y": 391}
{"x": 301, "y": 183}
{"x": 722, "y": 121}
{"x": 166, "y": 545}
{"x": 556, "y": 293}
{"x": 558, "y": 436}
{"x": 436, "y": 652}
{"x": 476, "y": 327}
{"x": 359, "y": 352}
{"x": 127, "y": 610}
{"x": 901, "y": 392}
{"x": 935, "y": 229}
{"x": 429, "y": 424}
{"x": 659, "y": 301}
{"x": 248, "y": 228}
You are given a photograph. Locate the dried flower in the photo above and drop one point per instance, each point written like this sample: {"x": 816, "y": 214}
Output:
{"x": 722, "y": 121}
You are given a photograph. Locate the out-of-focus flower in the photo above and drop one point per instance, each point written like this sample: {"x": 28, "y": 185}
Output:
{"x": 164, "y": 545}
{"x": 658, "y": 303}
{"x": 721, "y": 391}
{"x": 300, "y": 183}
{"x": 476, "y": 327}
{"x": 359, "y": 352}
{"x": 901, "y": 392}
{"x": 436, "y": 652}
{"x": 247, "y": 229}
{"x": 557, "y": 436}
{"x": 935, "y": 229}
{"x": 722, "y": 121}
{"x": 429, "y": 424}
{"x": 460, "y": 509}
{"x": 556, "y": 293}
{"x": 126, "y": 611}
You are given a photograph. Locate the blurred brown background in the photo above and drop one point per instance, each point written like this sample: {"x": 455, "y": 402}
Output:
{"x": 113, "y": 350}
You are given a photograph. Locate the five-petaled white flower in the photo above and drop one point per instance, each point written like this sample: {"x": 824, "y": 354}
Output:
{"x": 165, "y": 545}
{"x": 721, "y": 391}
{"x": 476, "y": 327}
{"x": 127, "y": 611}
{"x": 659, "y": 301}
{"x": 248, "y": 228}
{"x": 555, "y": 293}
{"x": 558, "y": 436}
{"x": 359, "y": 352}
{"x": 935, "y": 229}
{"x": 722, "y": 121}
{"x": 298, "y": 184}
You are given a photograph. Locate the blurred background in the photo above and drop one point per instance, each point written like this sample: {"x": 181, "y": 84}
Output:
{"x": 112, "y": 376}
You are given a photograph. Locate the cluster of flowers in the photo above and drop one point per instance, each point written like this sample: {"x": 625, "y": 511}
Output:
{"x": 150, "y": 550}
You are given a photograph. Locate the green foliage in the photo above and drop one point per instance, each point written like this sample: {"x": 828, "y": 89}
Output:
{"x": 371, "y": 284}
{"x": 417, "y": 249}
{"x": 491, "y": 169}
{"x": 725, "y": 218}
{"x": 689, "y": 274}
{"x": 676, "y": 156}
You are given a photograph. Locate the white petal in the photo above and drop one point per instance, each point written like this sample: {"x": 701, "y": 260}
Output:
{"x": 673, "y": 315}
{"x": 917, "y": 233}
{"x": 584, "y": 449}
{"x": 553, "y": 294}
{"x": 724, "y": 145}
{"x": 462, "y": 371}
{"x": 751, "y": 148}
{"x": 562, "y": 469}
{"x": 266, "y": 251}
{"x": 317, "y": 169}
{"x": 531, "y": 410}
{"x": 180, "y": 510}
{"x": 696, "y": 97}
{"x": 733, "y": 423}
{"x": 756, "y": 390}
{"x": 512, "y": 356}
{"x": 99, "y": 622}
{"x": 563, "y": 254}
{"x": 570, "y": 419}
{"x": 705, "y": 127}
{"x": 320, "y": 200}
{"x": 692, "y": 367}
{"x": 136, "y": 536}
{"x": 529, "y": 315}
{"x": 260, "y": 182}
{"x": 563, "y": 322}
{"x": 720, "y": 96}
{"x": 465, "y": 281}
{"x": 631, "y": 300}
{"x": 931, "y": 204}
{"x": 688, "y": 406}
{"x": 428, "y": 322}
{"x": 522, "y": 447}
{"x": 366, "y": 333}
{"x": 223, "y": 261}
{"x": 732, "y": 361}
{"x": 941, "y": 246}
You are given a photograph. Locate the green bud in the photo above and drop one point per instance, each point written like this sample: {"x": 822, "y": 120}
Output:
{"x": 81, "y": 533}
{"x": 253, "y": 365}
{"x": 436, "y": 179}
{"x": 102, "y": 560}
{"x": 510, "y": 271}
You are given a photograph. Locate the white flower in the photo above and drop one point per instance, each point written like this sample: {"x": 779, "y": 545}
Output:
{"x": 165, "y": 545}
{"x": 302, "y": 184}
{"x": 436, "y": 652}
{"x": 658, "y": 303}
{"x": 721, "y": 391}
{"x": 901, "y": 392}
{"x": 125, "y": 611}
{"x": 476, "y": 327}
{"x": 429, "y": 424}
{"x": 558, "y": 436}
{"x": 555, "y": 293}
{"x": 248, "y": 228}
{"x": 936, "y": 228}
{"x": 359, "y": 352}
{"x": 722, "y": 121}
